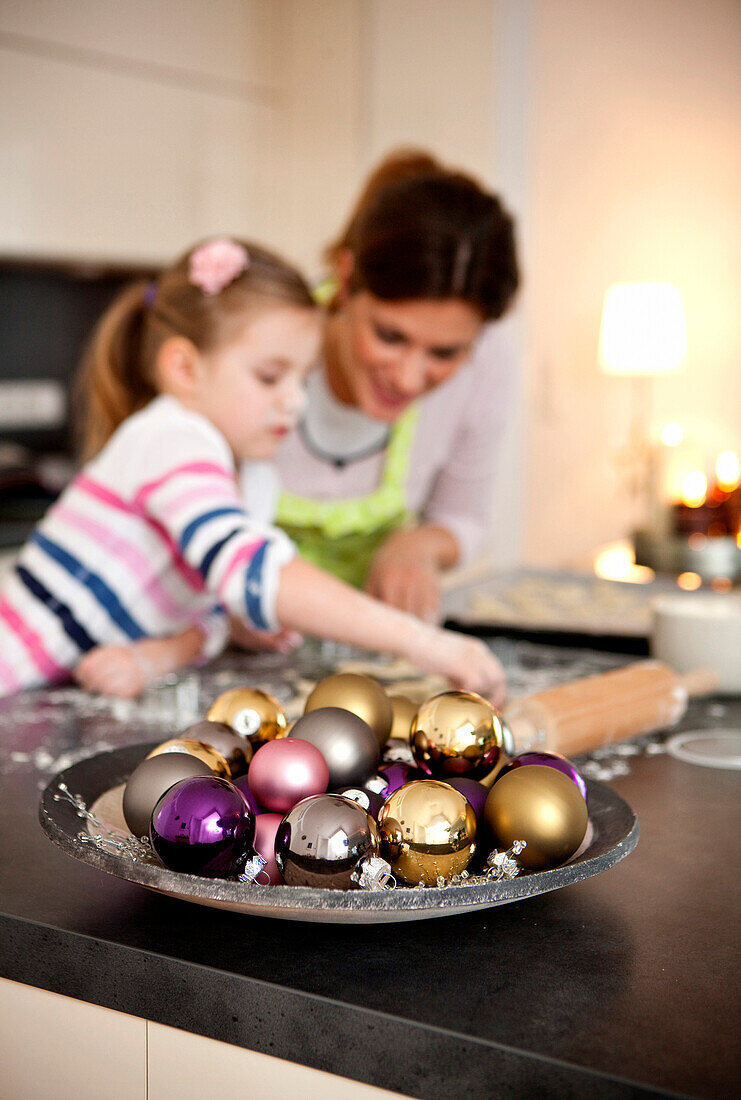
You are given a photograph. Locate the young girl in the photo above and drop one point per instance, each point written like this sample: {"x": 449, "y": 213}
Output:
{"x": 130, "y": 573}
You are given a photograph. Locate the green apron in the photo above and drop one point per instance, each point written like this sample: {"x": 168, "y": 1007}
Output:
{"x": 342, "y": 536}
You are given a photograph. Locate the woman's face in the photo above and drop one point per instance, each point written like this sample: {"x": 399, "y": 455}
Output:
{"x": 390, "y": 353}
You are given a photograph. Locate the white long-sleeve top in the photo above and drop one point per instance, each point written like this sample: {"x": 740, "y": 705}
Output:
{"x": 152, "y": 537}
{"x": 453, "y": 459}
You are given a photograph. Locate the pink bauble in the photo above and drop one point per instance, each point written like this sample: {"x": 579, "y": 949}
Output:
{"x": 266, "y": 826}
{"x": 284, "y": 771}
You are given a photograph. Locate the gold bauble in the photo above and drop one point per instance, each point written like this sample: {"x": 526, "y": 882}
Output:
{"x": 404, "y": 711}
{"x": 541, "y": 806}
{"x": 216, "y": 761}
{"x": 251, "y": 713}
{"x": 457, "y": 734}
{"x": 359, "y": 694}
{"x": 428, "y": 829}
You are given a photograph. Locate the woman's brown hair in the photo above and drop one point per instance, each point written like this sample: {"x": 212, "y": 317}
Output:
{"x": 421, "y": 230}
{"x": 117, "y": 376}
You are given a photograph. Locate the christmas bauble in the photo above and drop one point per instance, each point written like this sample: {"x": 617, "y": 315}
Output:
{"x": 369, "y": 800}
{"x": 549, "y": 760}
{"x": 237, "y": 750}
{"x": 150, "y": 780}
{"x": 202, "y": 826}
{"x": 242, "y": 784}
{"x": 475, "y": 792}
{"x": 215, "y": 760}
{"x": 428, "y": 830}
{"x": 266, "y": 826}
{"x": 346, "y": 742}
{"x": 404, "y": 711}
{"x": 543, "y": 807}
{"x": 321, "y": 841}
{"x": 359, "y": 694}
{"x": 389, "y": 777}
{"x": 457, "y": 733}
{"x": 283, "y": 772}
{"x": 251, "y": 713}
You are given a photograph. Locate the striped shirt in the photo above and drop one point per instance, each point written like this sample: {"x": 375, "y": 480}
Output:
{"x": 149, "y": 539}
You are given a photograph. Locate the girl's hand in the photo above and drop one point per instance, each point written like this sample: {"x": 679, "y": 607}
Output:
{"x": 404, "y": 573}
{"x": 246, "y": 637}
{"x": 467, "y": 662}
{"x": 113, "y": 670}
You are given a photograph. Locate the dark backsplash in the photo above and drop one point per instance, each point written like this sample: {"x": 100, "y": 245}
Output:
{"x": 47, "y": 313}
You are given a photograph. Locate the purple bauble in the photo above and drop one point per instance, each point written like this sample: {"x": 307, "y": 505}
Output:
{"x": 202, "y": 826}
{"x": 475, "y": 792}
{"x": 389, "y": 777}
{"x": 243, "y": 786}
{"x": 550, "y": 760}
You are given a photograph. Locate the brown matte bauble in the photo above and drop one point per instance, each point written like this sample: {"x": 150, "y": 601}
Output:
{"x": 251, "y": 713}
{"x": 215, "y": 760}
{"x": 404, "y": 712}
{"x": 236, "y": 749}
{"x": 359, "y": 694}
{"x": 346, "y": 742}
{"x": 541, "y": 806}
{"x": 428, "y": 830}
{"x": 457, "y": 734}
{"x": 149, "y": 781}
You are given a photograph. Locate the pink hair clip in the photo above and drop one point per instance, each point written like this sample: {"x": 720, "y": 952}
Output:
{"x": 217, "y": 263}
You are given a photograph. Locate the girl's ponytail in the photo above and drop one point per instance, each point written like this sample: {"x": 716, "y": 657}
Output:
{"x": 112, "y": 380}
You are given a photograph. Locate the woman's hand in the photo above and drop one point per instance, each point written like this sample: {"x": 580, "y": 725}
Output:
{"x": 405, "y": 571}
{"x": 467, "y": 662}
{"x": 246, "y": 637}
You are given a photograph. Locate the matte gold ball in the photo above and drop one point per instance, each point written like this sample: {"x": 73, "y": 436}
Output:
{"x": 428, "y": 829}
{"x": 404, "y": 712}
{"x": 541, "y": 806}
{"x": 251, "y": 713}
{"x": 215, "y": 760}
{"x": 359, "y": 694}
{"x": 456, "y": 734}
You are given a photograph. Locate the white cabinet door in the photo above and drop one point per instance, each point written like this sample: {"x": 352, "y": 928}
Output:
{"x": 66, "y": 1049}
{"x": 186, "y": 1066}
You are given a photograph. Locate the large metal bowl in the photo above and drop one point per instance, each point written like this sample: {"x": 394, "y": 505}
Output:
{"x": 99, "y": 780}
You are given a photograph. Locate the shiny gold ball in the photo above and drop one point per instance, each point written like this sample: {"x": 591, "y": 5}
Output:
{"x": 457, "y": 734}
{"x": 541, "y": 806}
{"x": 428, "y": 829}
{"x": 251, "y": 713}
{"x": 215, "y": 760}
{"x": 404, "y": 711}
{"x": 359, "y": 694}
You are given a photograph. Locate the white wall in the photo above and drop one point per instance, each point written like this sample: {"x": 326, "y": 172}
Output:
{"x": 635, "y": 175}
{"x": 129, "y": 130}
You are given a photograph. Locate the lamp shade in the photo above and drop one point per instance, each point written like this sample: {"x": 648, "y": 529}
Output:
{"x": 643, "y": 329}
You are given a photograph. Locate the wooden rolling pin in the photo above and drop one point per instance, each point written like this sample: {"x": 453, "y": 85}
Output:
{"x": 613, "y": 706}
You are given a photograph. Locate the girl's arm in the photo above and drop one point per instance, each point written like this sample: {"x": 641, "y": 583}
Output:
{"x": 125, "y": 670}
{"x": 312, "y": 601}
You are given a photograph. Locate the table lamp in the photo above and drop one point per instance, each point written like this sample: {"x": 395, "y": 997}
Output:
{"x": 642, "y": 335}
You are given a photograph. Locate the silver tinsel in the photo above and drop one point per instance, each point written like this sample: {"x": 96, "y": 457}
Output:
{"x": 109, "y": 840}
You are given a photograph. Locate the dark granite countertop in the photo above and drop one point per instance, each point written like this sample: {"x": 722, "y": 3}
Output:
{"x": 626, "y": 984}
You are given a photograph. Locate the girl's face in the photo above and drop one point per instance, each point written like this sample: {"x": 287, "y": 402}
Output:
{"x": 390, "y": 353}
{"x": 252, "y": 388}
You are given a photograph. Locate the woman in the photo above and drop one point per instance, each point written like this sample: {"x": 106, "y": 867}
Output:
{"x": 389, "y": 480}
